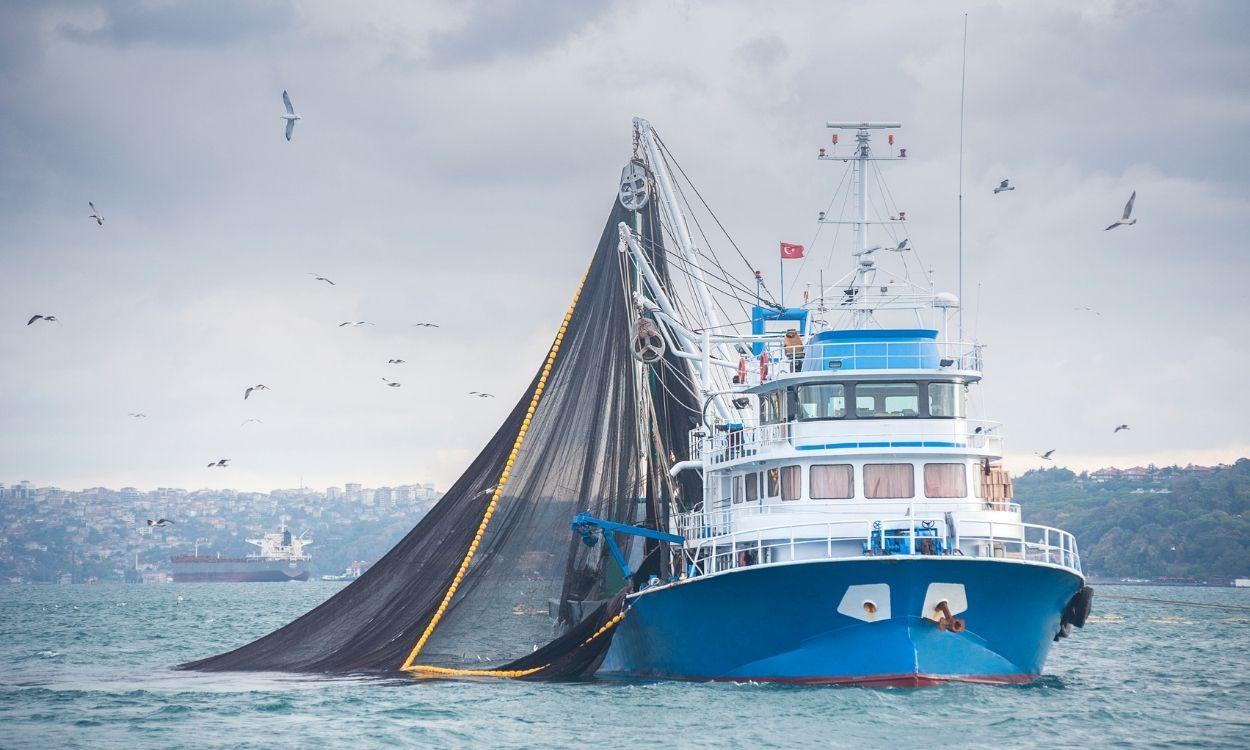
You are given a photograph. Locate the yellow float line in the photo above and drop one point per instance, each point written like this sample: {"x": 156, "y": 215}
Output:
{"x": 494, "y": 500}
{"x": 509, "y": 673}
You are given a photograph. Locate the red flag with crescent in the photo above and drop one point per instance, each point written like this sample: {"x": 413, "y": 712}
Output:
{"x": 789, "y": 251}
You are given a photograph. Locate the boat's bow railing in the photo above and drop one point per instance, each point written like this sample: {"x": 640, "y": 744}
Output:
{"x": 880, "y": 537}
{"x": 728, "y": 444}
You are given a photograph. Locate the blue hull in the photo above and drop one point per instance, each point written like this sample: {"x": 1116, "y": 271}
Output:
{"x": 801, "y": 622}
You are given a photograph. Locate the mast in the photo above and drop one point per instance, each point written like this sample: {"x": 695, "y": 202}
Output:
{"x": 677, "y": 221}
{"x": 859, "y": 165}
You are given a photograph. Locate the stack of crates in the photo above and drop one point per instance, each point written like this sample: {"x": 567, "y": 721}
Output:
{"x": 996, "y": 487}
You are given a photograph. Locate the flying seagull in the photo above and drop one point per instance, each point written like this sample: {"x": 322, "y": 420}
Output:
{"x": 95, "y": 214}
{"x": 1047, "y": 455}
{"x": 391, "y": 383}
{"x": 290, "y": 115}
{"x": 161, "y": 523}
{"x": 219, "y": 462}
{"x": 257, "y": 387}
{"x": 1120, "y": 427}
{"x": 394, "y": 362}
{"x": 357, "y": 324}
{"x": 425, "y": 325}
{"x": 253, "y": 419}
{"x": 137, "y": 414}
{"x": 321, "y": 278}
{"x": 480, "y": 394}
{"x": 1128, "y": 211}
{"x": 49, "y": 318}
{"x": 1087, "y": 309}
{"x": 1002, "y": 187}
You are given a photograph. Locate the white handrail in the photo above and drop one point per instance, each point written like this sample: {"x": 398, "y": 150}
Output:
{"x": 1007, "y": 540}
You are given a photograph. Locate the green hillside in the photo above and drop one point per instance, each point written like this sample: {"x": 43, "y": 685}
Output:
{"x": 1176, "y": 523}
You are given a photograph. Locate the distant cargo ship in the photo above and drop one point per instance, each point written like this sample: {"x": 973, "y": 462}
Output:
{"x": 281, "y": 558}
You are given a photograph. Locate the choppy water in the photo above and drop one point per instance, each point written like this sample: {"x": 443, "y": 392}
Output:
{"x": 88, "y": 666}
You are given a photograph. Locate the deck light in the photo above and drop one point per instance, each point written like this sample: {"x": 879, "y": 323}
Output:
{"x": 822, "y": 153}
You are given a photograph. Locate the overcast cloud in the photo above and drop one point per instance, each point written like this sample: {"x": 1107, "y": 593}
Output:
{"x": 456, "y": 163}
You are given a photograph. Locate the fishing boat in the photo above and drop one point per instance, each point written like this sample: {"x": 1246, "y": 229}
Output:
{"x": 854, "y": 524}
{"x": 805, "y": 494}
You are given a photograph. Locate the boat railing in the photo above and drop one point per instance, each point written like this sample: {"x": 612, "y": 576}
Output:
{"x": 964, "y": 356}
{"x": 732, "y": 444}
{"x": 881, "y": 537}
{"x": 723, "y": 520}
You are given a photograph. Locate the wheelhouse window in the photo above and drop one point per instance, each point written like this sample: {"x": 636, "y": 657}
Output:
{"x": 832, "y": 482}
{"x": 737, "y": 492}
{"x": 821, "y": 401}
{"x": 887, "y": 400}
{"x": 947, "y": 399}
{"x": 945, "y": 480}
{"x": 889, "y": 481}
{"x": 774, "y": 482}
{"x": 791, "y": 482}
{"x": 752, "y": 487}
{"x": 770, "y": 407}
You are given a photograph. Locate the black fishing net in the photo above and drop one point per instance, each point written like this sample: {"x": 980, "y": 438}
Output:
{"x": 493, "y": 580}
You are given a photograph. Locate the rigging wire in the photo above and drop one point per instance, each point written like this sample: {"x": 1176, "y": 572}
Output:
{"x": 725, "y": 275}
{"x": 733, "y": 283}
{"x": 750, "y": 267}
{"x": 820, "y": 226}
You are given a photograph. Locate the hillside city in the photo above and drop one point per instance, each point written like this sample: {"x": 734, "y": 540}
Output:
{"x": 1147, "y": 521}
{"x": 50, "y": 535}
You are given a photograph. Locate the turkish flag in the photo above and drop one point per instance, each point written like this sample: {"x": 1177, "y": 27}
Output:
{"x": 789, "y": 251}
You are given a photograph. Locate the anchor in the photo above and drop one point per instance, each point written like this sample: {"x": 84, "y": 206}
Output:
{"x": 947, "y": 621}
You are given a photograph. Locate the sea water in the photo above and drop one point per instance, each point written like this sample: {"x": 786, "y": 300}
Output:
{"x": 90, "y": 666}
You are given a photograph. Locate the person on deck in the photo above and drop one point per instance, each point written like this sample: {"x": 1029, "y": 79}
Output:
{"x": 793, "y": 345}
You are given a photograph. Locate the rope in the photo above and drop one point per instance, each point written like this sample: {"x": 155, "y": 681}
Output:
{"x": 499, "y": 487}
{"x": 1234, "y": 607}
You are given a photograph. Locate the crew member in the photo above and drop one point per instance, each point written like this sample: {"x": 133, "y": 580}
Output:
{"x": 793, "y": 345}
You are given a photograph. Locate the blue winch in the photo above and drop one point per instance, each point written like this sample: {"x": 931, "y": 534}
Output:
{"x": 899, "y": 541}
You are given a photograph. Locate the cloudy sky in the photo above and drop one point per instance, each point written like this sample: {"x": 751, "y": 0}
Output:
{"x": 456, "y": 164}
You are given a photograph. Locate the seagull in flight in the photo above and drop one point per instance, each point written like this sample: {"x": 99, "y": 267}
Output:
{"x": 1120, "y": 427}
{"x": 1128, "y": 211}
{"x": 257, "y": 387}
{"x": 162, "y": 523}
{"x": 357, "y": 324}
{"x": 221, "y": 462}
{"x": 480, "y": 394}
{"x": 1087, "y": 309}
{"x": 290, "y": 115}
{"x": 253, "y": 419}
{"x": 425, "y": 325}
{"x": 138, "y": 415}
{"x": 95, "y": 214}
{"x": 49, "y": 318}
{"x": 1003, "y": 187}
{"x": 321, "y": 278}
{"x": 391, "y": 383}
{"x": 395, "y": 362}
{"x": 1047, "y": 455}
